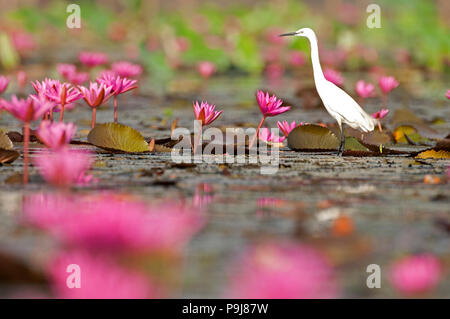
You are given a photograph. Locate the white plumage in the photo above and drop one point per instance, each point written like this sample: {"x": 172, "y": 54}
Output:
{"x": 338, "y": 103}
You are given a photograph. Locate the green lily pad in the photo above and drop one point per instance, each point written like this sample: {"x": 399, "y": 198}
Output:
{"x": 312, "y": 137}
{"x": 117, "y": 137}
{"x": 352, "y": 144}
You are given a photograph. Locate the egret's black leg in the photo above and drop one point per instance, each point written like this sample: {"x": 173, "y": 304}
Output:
{"x": 342, "y": 145}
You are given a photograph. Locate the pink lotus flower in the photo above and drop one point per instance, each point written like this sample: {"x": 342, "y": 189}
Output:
{"x": 93, "y": 59}
{"x": 266, "y": 135}
{"x": 95, "y": 96}
{"x": 22, "y": 78}
{"x": 296, "y": 58}
{"x": 447, "y": 95}
{"x": 119, "y": 85}
{"x": 333, "y": 76}
{"x": 64, "y": 167}
{"x": 4, "y": 82}
{"x": 126, "y": 69}
{"x": 416, "y": 274}
{"x": 286, "y": 128}
{"x": 100, "y": 278}
{"x": 387, "y": 83}
{"x": 269, "y": 106}
{"x": 282, "y": 271}
{"x": 274, "y": 71}
{"x": 110, "y": 223}
{"x": 66, "y": 70}
{"x": 206, "y": 69}
{"x": 56, "y": 135}
{"x": 364, "y": 89}
{"x": 380, "y": 114}
{"x": 62, "y": 94}
{"x": 23, "y": 41}
{"x": 205, "y": 113}
{"x": 78, "y": 78}
{"x": 27, "y": 111}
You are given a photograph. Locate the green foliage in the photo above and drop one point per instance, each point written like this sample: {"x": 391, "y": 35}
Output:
{"x": 9, "y": 58}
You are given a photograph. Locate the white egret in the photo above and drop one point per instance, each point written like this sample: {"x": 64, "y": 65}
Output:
{"x": 338, "y": 103}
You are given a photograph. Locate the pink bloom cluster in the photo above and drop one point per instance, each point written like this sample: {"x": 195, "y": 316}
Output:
{"x": 267, "y": 136}
{"x": 387, "y": 83}
{"x": 126, "y": 69}
{"x": 56, "y": 135}
{"x": 93, "y": 59}
{"x": 364, "y": 89}
{"x": 27, "y": 110}
{"x": 283, "y": 270}
{"x": 70, "y": 73}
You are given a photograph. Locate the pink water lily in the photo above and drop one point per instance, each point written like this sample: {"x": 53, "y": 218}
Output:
{"x": 93, "y": 59}
{"x": 296, "y": 58}
{"x": 364, "y": 89}
{"x": 64, "y": 167}
{"x": 380, "y": 115}
{"x": 101, "y": 278}
{"x": 269, "y": 106}
{"x": 27, "y": 110}
{"x": 65, "y": 70}
{"x": 333, "y": 76}
{"x": 284, "y": 270}
{"x": 126, "y": 69}
{"x": 112, "y": 223}
{"x": 206, "y": 114}
{"x": 56, "y": 135}
{"x": 416, "y": 274}
{"x": 448, "y": 94}
{"x": 206, "y": 69}
{"x": 267, "y": 136}
{"x": 4, "y": 82}
{"x": 95, "y": 96}
{"x": 286, "y": 128}
{"x": 78, "y": 78}
{"x": 387, "y": 84}
{"x": 119, "y": 85}
{"x": 62, "y": 94}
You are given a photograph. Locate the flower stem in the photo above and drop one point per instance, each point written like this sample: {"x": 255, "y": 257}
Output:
{"x": 26, "y": 140}
{"x": 384, "y": 100}
{"x": 197, "y": 140}
{"x": 61, "y": 117}
{"x": 115, "y": 108}
{"x": 257, "y": 133}
{"x": 94, "y": 114}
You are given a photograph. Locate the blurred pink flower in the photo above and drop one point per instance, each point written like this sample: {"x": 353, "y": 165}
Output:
{"x": 183, "y": 44}
{"x": 23, "y": 41}
{"x": 266, "y": 135}
{"x": 78, "y": 78}
{"x": 4, "y": 82}
{"x": 447, "y": 95}
{"x": 273, "y": 36}
{"x": 286, "y": 128}
{"x": 203, "y": 195}
{"x": 206, "y": 69}
{"x": 119, "y": 85}
{"x": 283, "y": 270}
{"x": 270, "y": 105}
{"x": 29, "y": 109}
{"x": 274, "y": 71}
{"x": 126, "y": 69}
{"x": 387, "y": 83}
{"x": 56, "y": 135}
{"x": 364, "y": 89}
{"x": 380, "y": 114}
{"x": 416, "y": 274}
{"x": 93, "y": 59}
{"x": 100, "y": 278}
{"x": 205, "y": 112}
{"x": 22, "y": 78}
{"x": 333, "y": 76}
{"x": 64, "y": 167}
{"x": 333, "y": 58}
{"x": 66, "y": 70}
{"x": 110, "y": 223}
{"x": 296, "y": 58}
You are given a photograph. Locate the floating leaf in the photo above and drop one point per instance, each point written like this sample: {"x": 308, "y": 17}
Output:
{"x": 117, "y": 137}
{"x": 5, "y": 142}
{"x": 403, "y": 116}
{"x": 312, "y": 137}
{"x": 352, "y": 144}
{"x": 408, "y": 134}
{"x": 434, "y": 154}
{"x": 8, "y": 156}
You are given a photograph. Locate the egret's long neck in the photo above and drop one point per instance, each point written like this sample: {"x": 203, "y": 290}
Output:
{"x": 317, "y": 68}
